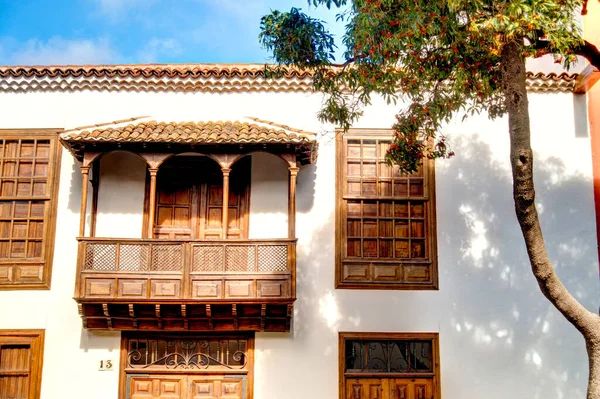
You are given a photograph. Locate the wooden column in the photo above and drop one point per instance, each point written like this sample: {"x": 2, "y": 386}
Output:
{"x": 85, "y": 171}
{"x": 152, "y": 201}
{"x": 225, "y": 222}
{"x": 292, "y": 202}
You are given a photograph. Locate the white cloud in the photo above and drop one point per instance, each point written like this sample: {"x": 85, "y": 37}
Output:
{"x": 57, "y": 50}
{"x": 156, "y": 47}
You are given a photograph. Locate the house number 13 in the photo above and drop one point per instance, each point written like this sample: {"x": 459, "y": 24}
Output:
{"x": 106, "y": 365}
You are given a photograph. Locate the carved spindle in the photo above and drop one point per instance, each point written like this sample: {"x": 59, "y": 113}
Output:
{"x": 292, "y": 202}
{"x": 105, "y": 309}
{"x": 131, "y": 313}
{"x": 85, "y": 171}
{"x": 225, "y": 221}
{"x": 80, "y": 309}
{"x": 208, "y": 311}
{"x": 234, "y": 310}
{"x": 157, "y": 310}
{"x": 263, "y": 310}
{"x": 152, "y": 202}
{"x": 183, "y": 311}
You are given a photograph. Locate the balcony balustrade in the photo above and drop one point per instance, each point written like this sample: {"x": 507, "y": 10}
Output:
{"x": 186, "y": 285}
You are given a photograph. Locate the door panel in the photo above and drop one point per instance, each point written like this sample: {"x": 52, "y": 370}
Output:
{"x": 389, "y": 388}
{"x": 156, "y": 387}
{"x": 367, "y": 388}
{"x": 230, "y": 387}
{"x": 182, "y": 386}
{"x": 411, "y": 388}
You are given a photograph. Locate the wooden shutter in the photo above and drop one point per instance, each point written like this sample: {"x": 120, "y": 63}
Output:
{"x": 28, "y": 172}
{"x": 176, "y": 202}
{"x": 386, "y": 219}
{"x": 20, "y": 364}
{"x": 189, "y": 201}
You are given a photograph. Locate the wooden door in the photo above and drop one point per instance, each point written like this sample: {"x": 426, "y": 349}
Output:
{"x": 182, "y": 386}
{"x": 189, "y": 199}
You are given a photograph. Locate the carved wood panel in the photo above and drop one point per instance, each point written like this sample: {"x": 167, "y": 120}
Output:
{"x": 156, "y": 387}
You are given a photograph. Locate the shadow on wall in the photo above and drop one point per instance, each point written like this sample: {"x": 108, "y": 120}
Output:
{"x": 499, "y": 336}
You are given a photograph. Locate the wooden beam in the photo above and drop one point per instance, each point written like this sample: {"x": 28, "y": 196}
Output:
{"x": 586, "y": 79}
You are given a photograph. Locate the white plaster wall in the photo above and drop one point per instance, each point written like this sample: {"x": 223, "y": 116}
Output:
{"x": 499, "y": 337}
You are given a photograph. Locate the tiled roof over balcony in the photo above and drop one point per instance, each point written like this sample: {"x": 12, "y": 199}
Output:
{"x": 193, "y": 133}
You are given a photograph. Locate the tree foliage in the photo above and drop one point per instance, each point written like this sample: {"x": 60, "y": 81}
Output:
{"x": 444, "y": 56}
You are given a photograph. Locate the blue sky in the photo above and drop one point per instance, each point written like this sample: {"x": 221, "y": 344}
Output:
{"x": 137, "y": 31}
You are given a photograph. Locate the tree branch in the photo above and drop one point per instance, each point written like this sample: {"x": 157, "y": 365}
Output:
{"x": 589, "y": 52}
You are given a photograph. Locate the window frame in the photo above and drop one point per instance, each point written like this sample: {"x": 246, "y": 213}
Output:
{"x": 341, "y": 220}
{"x": 35, "y": 340}
{"x": 344, "y": 336}
{"x": 49, "y": 235}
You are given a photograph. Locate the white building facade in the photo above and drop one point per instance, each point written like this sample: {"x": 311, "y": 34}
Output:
{"x": 397, "y": 287}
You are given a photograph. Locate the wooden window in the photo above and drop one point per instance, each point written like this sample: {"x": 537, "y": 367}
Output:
{"x": 389, "y": 366}
{"x": 29, "y": 168}
{"x": 385, "y": 235}
{"x": 187, "y": 366}
{"x": 21, "y": 354}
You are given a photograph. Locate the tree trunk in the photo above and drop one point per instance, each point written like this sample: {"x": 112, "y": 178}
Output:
{"x": 521, "y": 157}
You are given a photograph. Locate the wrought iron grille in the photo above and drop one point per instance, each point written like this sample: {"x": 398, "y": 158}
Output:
{"x": 187, "y": 354}
{"x": 398, "y": 356}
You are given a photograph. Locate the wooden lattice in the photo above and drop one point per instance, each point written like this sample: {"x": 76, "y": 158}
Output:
{"x": 167, "y": 257}
{"x": 240, "y": 258}
{"x": 272, "y": 258}
{"x": 134, "y": 257}
{"x": 101, "y": 257}
{"x": 208, "y": 258}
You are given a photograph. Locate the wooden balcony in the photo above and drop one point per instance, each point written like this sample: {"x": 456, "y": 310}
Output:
{"x": 201, "y": 285}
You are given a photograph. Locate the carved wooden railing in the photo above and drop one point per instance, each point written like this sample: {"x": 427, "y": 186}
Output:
{"x": 153, "y": 270}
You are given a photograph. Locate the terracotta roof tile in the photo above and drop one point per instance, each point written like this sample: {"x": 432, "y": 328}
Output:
{"x": 190, "y": 78}
{"x": 190, "y": 133}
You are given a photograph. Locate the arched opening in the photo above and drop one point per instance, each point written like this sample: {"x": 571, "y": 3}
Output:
{"x": 269, "y": 196}
{"x": 120, "y": 177}
{"x": 189, "y": 199}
